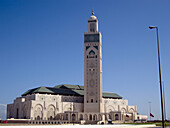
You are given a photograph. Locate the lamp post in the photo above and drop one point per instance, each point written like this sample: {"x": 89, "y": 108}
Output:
{"x": 164, "y": 102}
{"x": 150, "y": 109}
{"x": 160, "y": 78}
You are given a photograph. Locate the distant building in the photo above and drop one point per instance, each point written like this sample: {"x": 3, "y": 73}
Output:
{"x": 75, "y": 103}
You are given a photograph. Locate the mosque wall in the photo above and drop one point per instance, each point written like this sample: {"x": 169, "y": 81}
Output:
{"x": 50, "y": 107}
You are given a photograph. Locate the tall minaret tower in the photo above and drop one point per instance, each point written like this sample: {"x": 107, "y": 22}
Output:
{"x": 92, "y": 67}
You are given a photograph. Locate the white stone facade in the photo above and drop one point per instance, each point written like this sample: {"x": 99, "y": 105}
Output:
{"x": 58, "y": 107}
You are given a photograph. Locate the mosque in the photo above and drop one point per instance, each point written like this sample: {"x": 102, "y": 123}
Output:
{"x": 76, "y": 103}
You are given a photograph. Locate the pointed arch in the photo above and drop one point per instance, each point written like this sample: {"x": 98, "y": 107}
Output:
{"x": 123, "y": 110}
{"x": 90, "y": 117}
{"x": 132, "y": 110}
{"x": 38, "y": 111}
{"x": 51, "y": 112}
{"x": 116, "y": 117}
{"x": 73, "y": 117}
{"x": 95, "y": 117}
{"x": 91, "y": 52}
{"x": 67, "y": 107}
{"x": 110, "y": 108}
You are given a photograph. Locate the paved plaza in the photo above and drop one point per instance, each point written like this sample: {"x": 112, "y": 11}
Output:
{"x": 83, "y": 126}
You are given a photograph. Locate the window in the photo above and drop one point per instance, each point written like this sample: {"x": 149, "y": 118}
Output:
{"x": 92, "y": 26}
{"x": 91, "y": 100}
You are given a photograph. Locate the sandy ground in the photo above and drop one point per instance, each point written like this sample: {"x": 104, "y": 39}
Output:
{"x": 80, "y": 126}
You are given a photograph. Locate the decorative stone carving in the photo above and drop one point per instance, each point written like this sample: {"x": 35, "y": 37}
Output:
{"x": 91, "y": 83}
{"x": 91, "y": 38}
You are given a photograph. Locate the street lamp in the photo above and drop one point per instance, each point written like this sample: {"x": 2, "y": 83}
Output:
{"x": 150, "y": 109}
{"x": 152, "y": 27}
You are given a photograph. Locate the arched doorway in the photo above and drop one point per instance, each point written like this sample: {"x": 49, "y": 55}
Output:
{"x": 51, "y": 118}
{"x": 73, "y": 117}
{"x": 38, "y": 118}
{"x": 116, "y": 117}
{"x": 81, "y": 117}
{"x": 90, "y": 117}
{"x": 95, "y": 117}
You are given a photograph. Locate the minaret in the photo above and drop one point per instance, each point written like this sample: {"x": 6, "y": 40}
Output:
{"x": 92, "y": 67}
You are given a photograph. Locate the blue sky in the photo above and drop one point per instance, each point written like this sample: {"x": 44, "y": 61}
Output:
{"x": 41, "y": 44}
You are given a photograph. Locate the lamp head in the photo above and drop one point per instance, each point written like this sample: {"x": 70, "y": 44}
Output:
{"x": 151, "y": 27}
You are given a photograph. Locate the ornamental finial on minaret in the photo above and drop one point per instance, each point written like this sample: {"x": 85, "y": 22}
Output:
{"x": 92, "y": 11}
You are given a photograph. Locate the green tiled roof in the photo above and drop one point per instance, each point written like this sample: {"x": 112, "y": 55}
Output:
{"x": 29, "y": 91}
{"x": 110, "y": 95}
{"x": 80, "y": 92}
{"x": 50, "y": 90}
{"x": 43, "y": 90}
{"x": 68, "y": 86}
{"x": 65, "y": 89}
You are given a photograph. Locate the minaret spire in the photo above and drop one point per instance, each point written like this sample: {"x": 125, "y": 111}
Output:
{"x": 92, "y": 11}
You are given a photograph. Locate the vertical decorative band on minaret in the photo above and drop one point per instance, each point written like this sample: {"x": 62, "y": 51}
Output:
{"x": 92, "y": 67}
